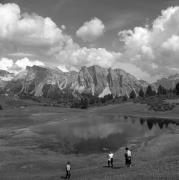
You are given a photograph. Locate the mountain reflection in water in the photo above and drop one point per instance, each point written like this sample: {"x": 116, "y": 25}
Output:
{"x": 93, "y": 136}
{"x": 154, "y": 121}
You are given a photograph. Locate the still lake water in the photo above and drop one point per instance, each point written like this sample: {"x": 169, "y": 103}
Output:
{"x": 97, "y": 136}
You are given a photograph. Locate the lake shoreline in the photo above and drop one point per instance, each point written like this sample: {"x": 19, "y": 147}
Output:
{"x": 137, "y": 110}
{"x": 154, "y": 156}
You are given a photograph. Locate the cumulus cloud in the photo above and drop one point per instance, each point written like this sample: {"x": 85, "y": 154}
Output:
{"x": 73, "y": 60}
{"x": 63, "y": 27}
{"x": 20, "y": 54}
{"x": 149, "y": 52}
{"x": 172, "y": 43}
{"x": 35, "y": 32}
{"x": 28, "y": 29}
{"x": 23, "y": 63}
{"x": 32, "y": 34}
{"x": 155, "y": 50}
{"x": 18, "y": 65}
{"x": 91, "y": 30}
{"x": 87, "y": 57}
{"x": 6, "y": 64}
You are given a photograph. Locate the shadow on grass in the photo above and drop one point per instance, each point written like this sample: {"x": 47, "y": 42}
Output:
{"x": 63, "y": 177}
{"x": 115, "y": 167}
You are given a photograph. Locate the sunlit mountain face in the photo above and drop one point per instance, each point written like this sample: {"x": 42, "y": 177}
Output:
{"x": 94, "y": 80}
{"x": 168, "y": 82}
{"x": 5, "y": 77}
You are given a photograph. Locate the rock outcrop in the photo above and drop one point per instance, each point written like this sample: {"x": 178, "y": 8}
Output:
{"x": 5, "y": 77}
{"x": 168, "y": 82}
{"x": 94, "y": 80}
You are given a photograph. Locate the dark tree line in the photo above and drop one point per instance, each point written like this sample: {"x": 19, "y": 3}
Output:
{"x": 177, "y": 89}
{"x": 133, "y": 94}
{"x": 162, "y": 90}
{"x": 150, "y": 92}
{"x": 85, "y": 100}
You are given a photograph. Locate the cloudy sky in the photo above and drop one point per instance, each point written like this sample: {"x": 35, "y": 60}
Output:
{"x": 139, "y": 36}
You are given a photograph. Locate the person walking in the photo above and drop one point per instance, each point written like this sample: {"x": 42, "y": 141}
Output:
{"x": 128, "y": 156}
{"x": 110, "y": 159}
{"x": 68, "y": 170}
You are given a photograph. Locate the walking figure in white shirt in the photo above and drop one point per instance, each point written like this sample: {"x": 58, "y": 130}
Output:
{"x": 110, "y": 159}
{"x": 128, "y": 156}
{"x": 68, "y": 169}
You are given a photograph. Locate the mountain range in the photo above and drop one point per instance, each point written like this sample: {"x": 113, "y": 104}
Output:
{"x": 168, "y": 82}
{"x": 95, "y": 80}
{"x": 5, "y": 77}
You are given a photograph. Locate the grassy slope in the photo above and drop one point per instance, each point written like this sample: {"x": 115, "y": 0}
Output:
{"x": 151, "y": 161}
{"x": 138, "y": 110}
{"x": 156, "y": 158}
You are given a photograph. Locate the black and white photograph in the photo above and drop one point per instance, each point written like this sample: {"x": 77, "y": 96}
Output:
{"x": 89, "y": 89}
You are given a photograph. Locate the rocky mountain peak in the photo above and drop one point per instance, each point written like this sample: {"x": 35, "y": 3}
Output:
{"x": 167, "y": 82}
{"x": 5, "y": 77}
{"x": 94, "y": 80}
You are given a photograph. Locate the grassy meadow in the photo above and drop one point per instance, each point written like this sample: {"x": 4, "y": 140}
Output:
{"x": 25, "y": 127}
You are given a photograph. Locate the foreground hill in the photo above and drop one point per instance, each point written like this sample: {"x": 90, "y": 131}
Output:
{"x": 94, "y": 80}
{"x": 26, "y": 134}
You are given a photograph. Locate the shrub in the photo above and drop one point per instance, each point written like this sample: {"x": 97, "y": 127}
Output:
{"x": 150, "y": 92}
{"x": 75, "y": 103}
{"x": 132, "y": 94}
{"x": 141, "y": 93}
{"x": 84, "y": 103}
{"x": 177, "y": 89}
{"x": 161, "y": 90}
{"x": 124, "y": 98}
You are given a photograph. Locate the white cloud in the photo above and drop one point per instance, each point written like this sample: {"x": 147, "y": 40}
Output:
{"x": 91, "y": 30}
{"x": 172, "y": 43}
{"x": 154, "y": 50}
{"x": 23, "y": 63}
{"x": 35, "y": 31}
{"x": 21, "y": 54}
{"x": 87, "y": 57}
{"x": 149, "y": 51}
{"x": 19, "y": 65}
{"x": 133, "y": 69}
{"x": 6, "y": 63}
{"x": 28, "y": 29}
{"x": 63, "y": 27}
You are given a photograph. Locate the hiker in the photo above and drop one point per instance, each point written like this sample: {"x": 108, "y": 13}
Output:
{"x": 68, "y": 168}
{"x": 128, "y": 157}
{"x": 110, "y": 159}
